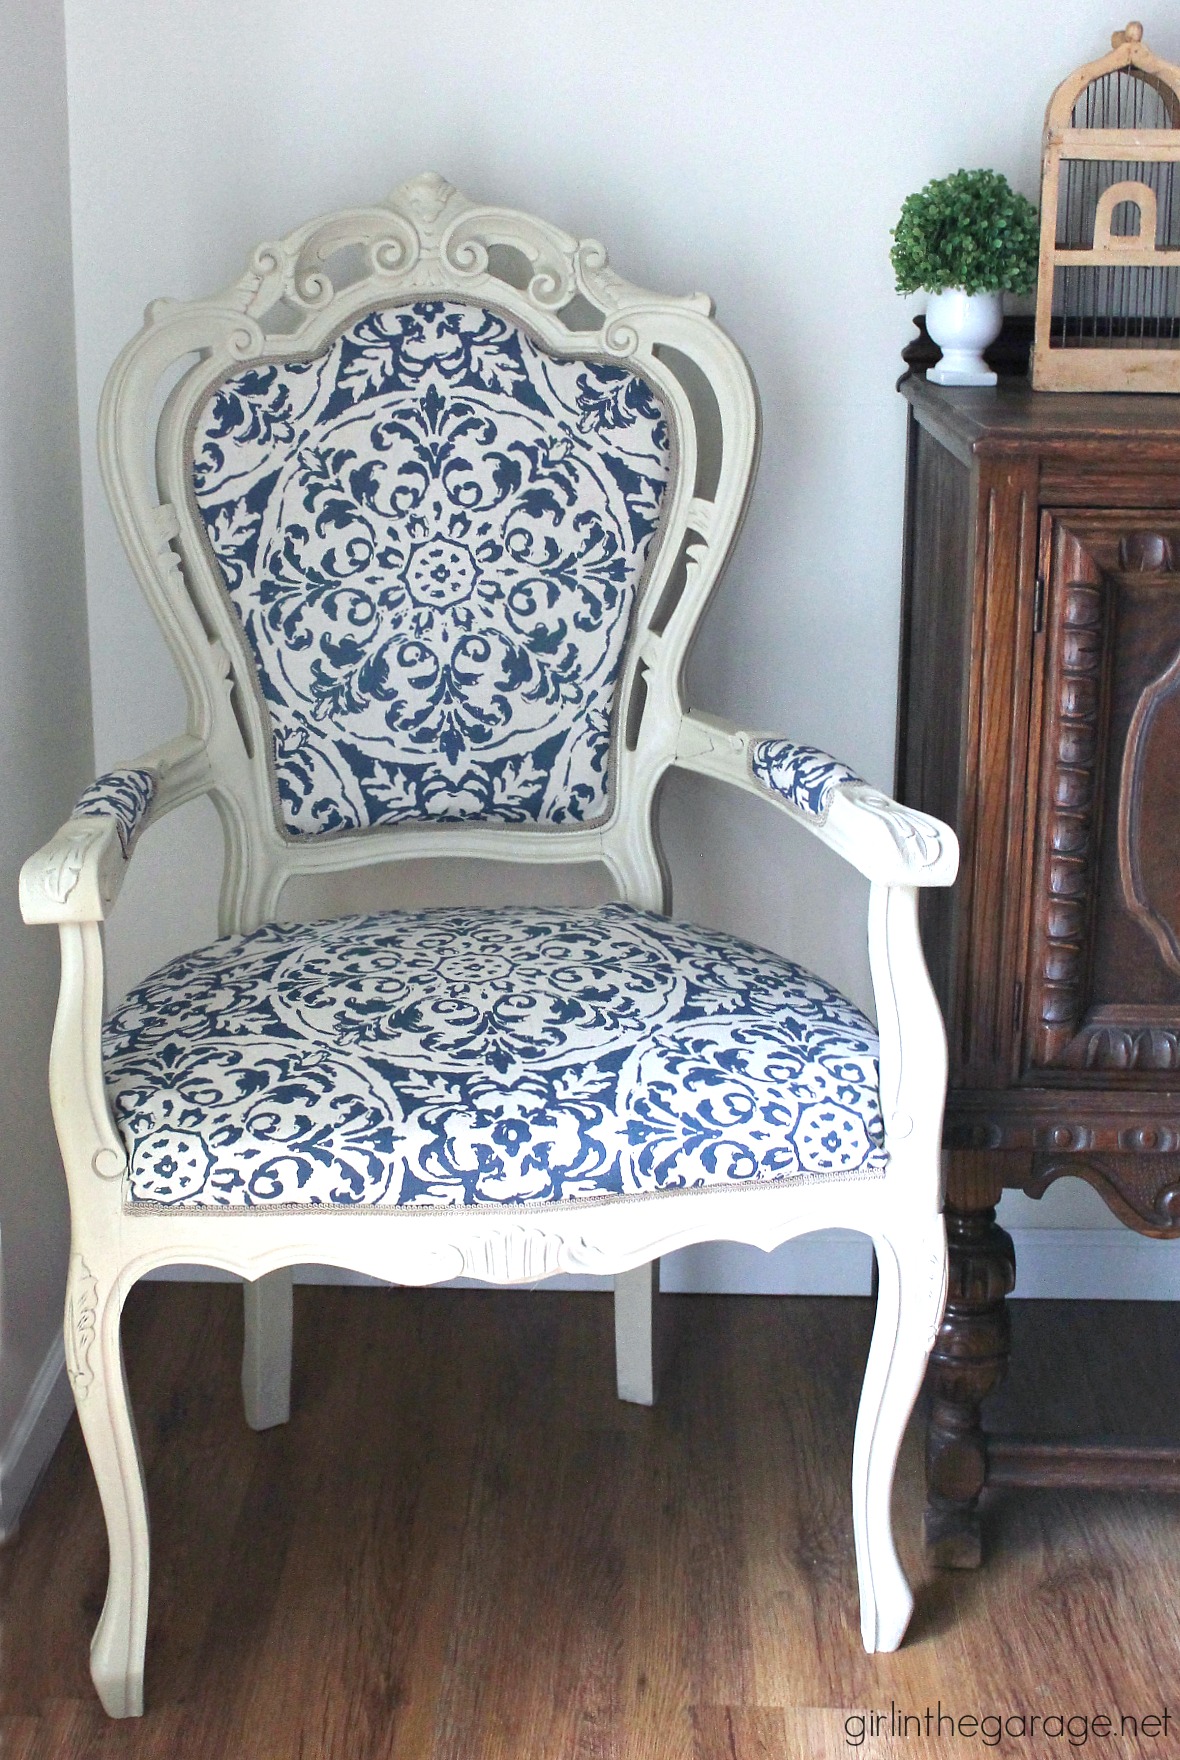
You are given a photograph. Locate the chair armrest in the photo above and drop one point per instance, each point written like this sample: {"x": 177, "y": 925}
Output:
{"x": 76, "y": 876}
{"x": 890, "y": 844}
{"x": 124, "y": 795}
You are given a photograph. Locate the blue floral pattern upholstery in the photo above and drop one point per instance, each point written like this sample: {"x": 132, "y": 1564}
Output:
{"x": 122, "y": 795}
{"x": 494, "y": 1057}
{"x": 802, "y": 775}
{"x": 432, "y": 535}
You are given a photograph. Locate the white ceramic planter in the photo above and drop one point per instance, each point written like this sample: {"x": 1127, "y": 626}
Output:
{"x": 963, "y": 324}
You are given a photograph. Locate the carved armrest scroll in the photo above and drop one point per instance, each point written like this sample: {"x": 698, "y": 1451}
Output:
{"x": 76, "y": 876}
{"x": 890, "y": 844}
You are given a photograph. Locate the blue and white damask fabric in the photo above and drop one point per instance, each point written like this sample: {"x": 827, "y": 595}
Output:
{"x": 121, "y": 795}
{"x": 432, "y": 534}
{"x": 498, "y": 1057}
{"x": 803, "y": 775}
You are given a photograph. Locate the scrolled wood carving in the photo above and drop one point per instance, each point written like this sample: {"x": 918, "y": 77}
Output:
{"x": 920, "y": 839}
{"x": 81, "y": 1326}
{"x": 514, "y": 1255}
{"x": 52, "y": 875}
{"x": 606, "y": 288}
{"x": 427, "y": 196}
{"x": 550, "y": 254}
{"x": 60, "y": 873}
{"x": 1142, "y": 1191}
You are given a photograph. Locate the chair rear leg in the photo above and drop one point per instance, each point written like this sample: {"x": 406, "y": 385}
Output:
{"x": 635, "y": 1365}
{"x": 94, "y": 1357}
{"x": 911, "y": 1292}
{"x": 266, "y": 1351}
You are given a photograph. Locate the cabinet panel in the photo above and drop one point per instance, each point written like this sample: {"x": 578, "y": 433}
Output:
{"x": 935, "y": 667}
{"x": 1103, "y": 986}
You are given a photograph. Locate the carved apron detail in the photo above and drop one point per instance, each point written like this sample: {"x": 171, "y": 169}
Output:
{"x": 81, "y": 1326}
{"x": 514, "y": 1255}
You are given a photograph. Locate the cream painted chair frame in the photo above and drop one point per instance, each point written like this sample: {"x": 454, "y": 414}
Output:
{"x": 429, "y": 240}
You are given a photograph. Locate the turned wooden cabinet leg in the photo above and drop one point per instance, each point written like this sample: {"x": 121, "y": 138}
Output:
{"x": 969, "y": 1360}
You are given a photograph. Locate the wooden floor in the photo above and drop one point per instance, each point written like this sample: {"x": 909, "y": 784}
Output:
{"x": 463, "y": 1548}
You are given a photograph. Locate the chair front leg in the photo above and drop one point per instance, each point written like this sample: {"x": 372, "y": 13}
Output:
{"x": 911, "y": 1292}
{"x": 94, "y": 1357}
{"x": 266, "y": 1349}
{"x": 635, "y": 1363}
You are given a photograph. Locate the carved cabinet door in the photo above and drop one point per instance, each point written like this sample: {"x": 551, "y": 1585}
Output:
{"x": 1102, "y": 992}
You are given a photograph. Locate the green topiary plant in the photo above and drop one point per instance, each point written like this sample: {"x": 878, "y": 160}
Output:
{"x": 968, "y": 230}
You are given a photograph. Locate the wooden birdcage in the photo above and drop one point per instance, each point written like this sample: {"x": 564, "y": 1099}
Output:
{"x": 1108, "y": 293}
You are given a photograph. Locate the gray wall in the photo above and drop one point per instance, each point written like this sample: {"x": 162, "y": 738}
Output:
{"x": 45, "y": 725}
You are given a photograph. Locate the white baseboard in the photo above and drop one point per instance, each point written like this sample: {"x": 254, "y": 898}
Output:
{"x": 35, "y": 1435}
{"x": 1096, "y": 1264}
{"x": 1083, "y": 1264}
{"x": 829, "y": 1263}
{"x": 1073, "y": 1264}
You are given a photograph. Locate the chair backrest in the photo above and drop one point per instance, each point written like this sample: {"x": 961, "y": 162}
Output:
{"x": 438, "y": 502}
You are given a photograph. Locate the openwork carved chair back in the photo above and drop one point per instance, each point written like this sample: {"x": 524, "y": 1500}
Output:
{"x": 435, "y": 521}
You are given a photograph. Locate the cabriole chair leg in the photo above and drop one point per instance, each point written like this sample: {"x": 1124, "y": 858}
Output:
{"x": 266, "y": 1350}
{"x": 95, "y": 1358}
{"x": 911, "y": 1290}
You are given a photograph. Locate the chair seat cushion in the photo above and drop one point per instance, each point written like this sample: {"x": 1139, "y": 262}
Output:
{"x": 499, "y": 1056}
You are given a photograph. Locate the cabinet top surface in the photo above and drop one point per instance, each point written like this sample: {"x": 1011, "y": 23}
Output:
{"x": 1013, "y": 413}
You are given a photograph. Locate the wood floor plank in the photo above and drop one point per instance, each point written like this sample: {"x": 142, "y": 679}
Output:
{"x": 534, "y": 1667}
{"x": 657, "y": 1685}
{"x": 739, "y": 1732}
{"x": 462, "y": 1547}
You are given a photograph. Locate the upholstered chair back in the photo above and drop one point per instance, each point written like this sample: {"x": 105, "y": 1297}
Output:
{"x": 431, "y": 534}
{"x": 447, "y": 498}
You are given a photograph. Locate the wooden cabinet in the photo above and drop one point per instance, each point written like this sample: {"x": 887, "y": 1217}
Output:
{"x": 1040, "y": 716}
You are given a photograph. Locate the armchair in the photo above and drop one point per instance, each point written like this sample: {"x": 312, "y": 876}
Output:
{"x": 438, "y": 502}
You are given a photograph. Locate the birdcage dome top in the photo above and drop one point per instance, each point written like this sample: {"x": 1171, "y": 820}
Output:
{"x": 1131, "y": 88}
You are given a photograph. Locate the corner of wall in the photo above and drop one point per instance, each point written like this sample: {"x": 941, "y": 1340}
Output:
{"x": 46, "y": 741}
